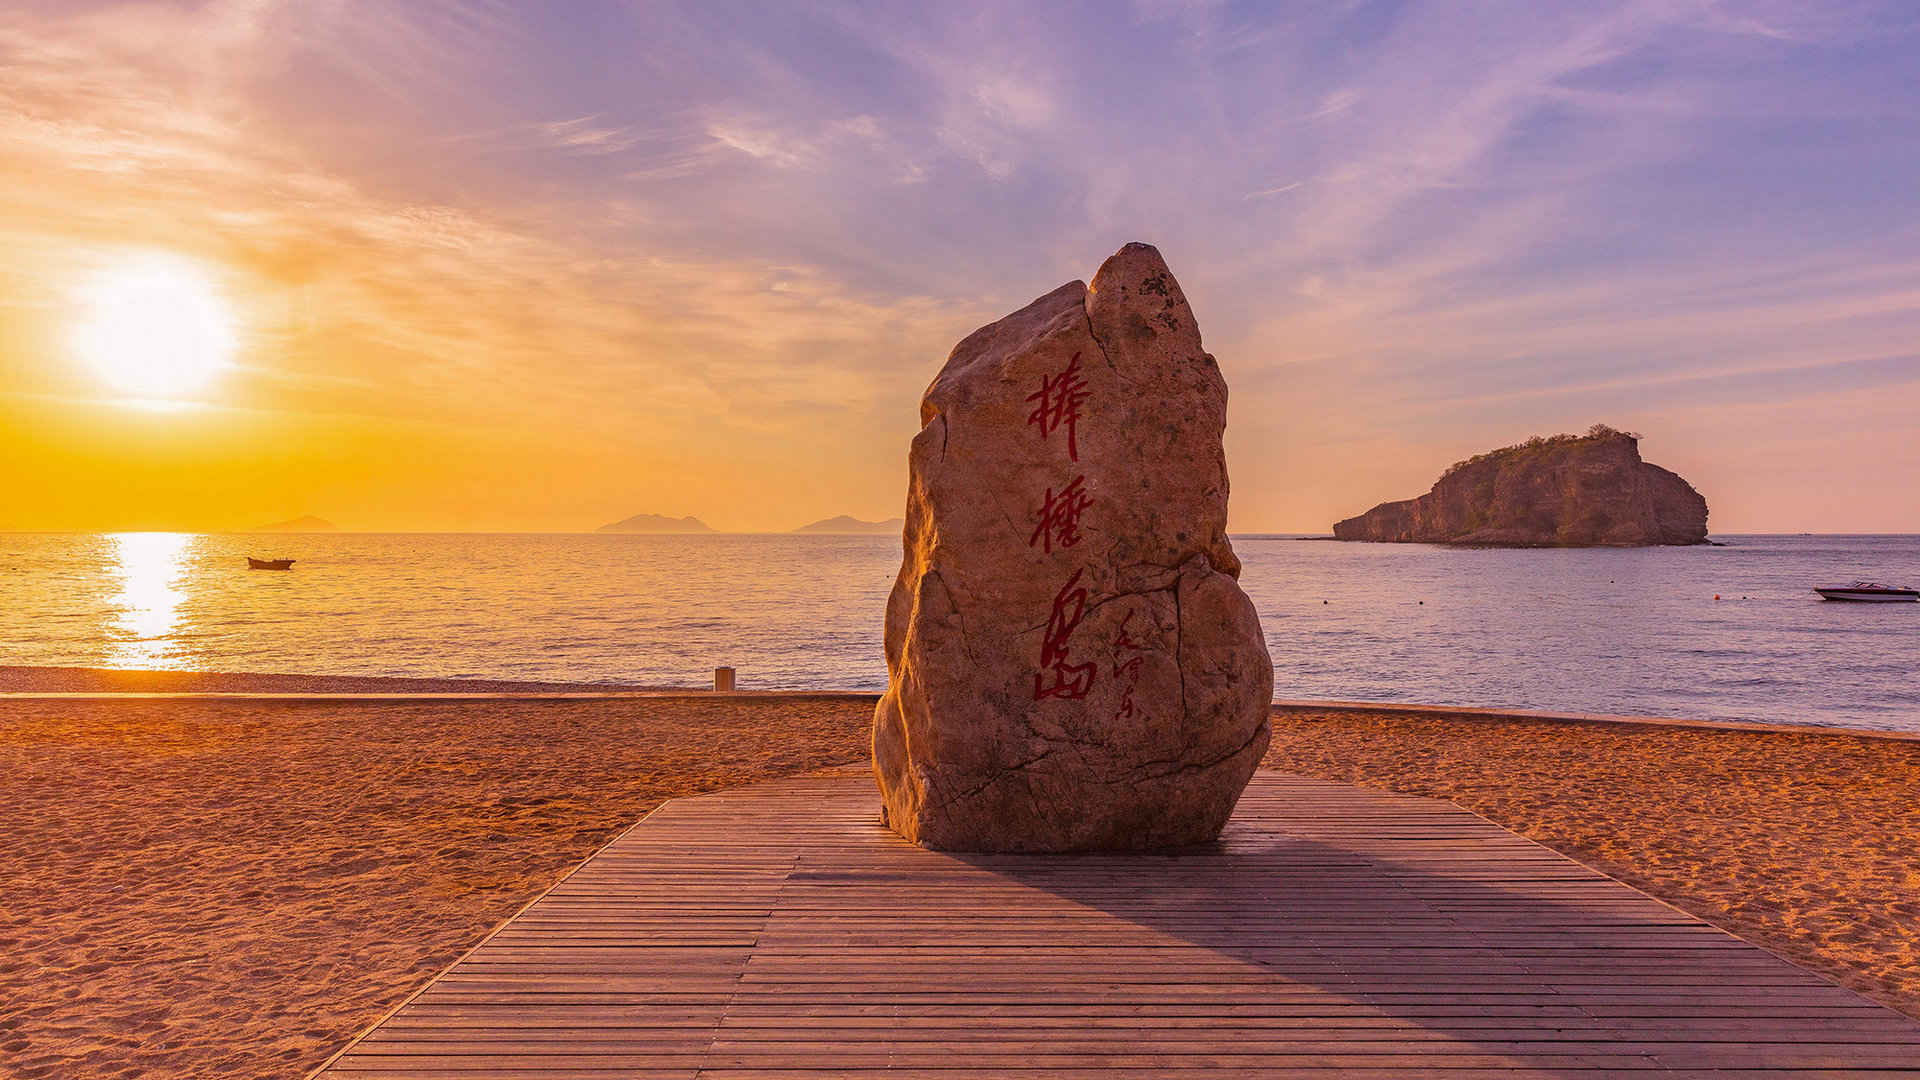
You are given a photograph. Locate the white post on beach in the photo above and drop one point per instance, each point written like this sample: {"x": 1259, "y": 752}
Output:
{"x": 723, "y": 678}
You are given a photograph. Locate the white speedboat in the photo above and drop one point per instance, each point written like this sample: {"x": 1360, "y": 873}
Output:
{"x": 1871, "y": 592}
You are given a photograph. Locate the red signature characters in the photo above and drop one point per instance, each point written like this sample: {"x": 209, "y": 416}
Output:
{"x": 1128, "y": 669}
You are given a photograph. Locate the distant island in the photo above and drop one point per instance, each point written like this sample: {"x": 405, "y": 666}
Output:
{"x": 656, "y": 523}
{"x": 845, "y": 524}
{"x": 1587, "y": 490}
{"x": 304, "y": 523}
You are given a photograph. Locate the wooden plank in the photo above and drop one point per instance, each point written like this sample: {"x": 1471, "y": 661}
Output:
{"x": 777, "y": 930}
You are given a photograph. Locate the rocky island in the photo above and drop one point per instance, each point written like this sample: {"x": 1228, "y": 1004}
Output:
{"x": 656, "y": 523}
{"x": 304, "y": 523}
{"x": 845, "y": 524}
{"x": 1587, "y": 490}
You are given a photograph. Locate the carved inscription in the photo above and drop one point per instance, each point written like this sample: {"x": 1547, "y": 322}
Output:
{"x": 1070, "y": 680}
{"x": 1057, "y": 405}
{"x": 1126, "y": 668}
{"x": 1059, "y": 516}
{"x": 1059, "y": 399}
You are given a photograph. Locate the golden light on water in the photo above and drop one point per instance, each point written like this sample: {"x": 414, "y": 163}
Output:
{"x": 152, "y": 570}
{"x": 154, "y": 325}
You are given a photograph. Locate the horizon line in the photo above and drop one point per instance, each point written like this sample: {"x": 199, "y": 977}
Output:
{"x": 802, "y": 531}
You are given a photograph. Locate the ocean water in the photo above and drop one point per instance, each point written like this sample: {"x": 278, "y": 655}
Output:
{"x": 1635, "y": 631}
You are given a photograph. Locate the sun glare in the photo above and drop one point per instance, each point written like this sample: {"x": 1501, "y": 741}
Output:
{"x": 152, "y": 566}
{"x": 154, "y": 326}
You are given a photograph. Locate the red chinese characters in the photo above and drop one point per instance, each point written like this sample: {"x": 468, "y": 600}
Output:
{"x": 1069, "y": 680}
{"x": 1057, "y": 405}
{"x": 1059, "y": 399}
{"x": 1059, "y": 516}
{"x": 1128, "y": 668}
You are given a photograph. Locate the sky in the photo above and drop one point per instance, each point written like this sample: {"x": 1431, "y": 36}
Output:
{"x": 539, "y": 267}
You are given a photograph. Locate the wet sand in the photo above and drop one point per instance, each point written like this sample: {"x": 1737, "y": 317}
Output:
{"x": 19, "y": 679}
{"x": 202, "y": 887}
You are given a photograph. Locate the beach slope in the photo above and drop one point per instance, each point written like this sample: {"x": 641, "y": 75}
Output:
{"x": 235, "y": 887}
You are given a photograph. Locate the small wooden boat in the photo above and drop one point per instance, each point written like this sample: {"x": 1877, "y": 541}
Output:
{"x": 1869, "y": 592}
{"x": 269, "y": 564}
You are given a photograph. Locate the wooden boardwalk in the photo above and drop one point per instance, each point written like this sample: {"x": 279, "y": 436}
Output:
{"x": 778, "y": 930}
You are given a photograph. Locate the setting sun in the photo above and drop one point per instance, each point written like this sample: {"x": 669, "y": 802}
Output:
{"x": 154, "y": 326}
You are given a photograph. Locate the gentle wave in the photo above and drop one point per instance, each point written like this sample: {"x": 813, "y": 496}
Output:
{"x": 1633, "y": 631}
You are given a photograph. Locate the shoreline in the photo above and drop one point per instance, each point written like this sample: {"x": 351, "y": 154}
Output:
{"x": 29, "y": 679}
{"x": 23, "y": 682}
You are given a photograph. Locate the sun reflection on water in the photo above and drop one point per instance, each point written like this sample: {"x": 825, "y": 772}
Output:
{"x": 152, "y": 574}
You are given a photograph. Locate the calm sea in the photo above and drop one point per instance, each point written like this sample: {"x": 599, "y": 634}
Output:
{"x": 1620, "y": 631}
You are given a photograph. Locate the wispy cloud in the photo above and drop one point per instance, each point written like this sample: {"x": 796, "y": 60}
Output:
{"x": 583, "y": 134}
{"x": 762, "y": 143}
{"x": 1334, "y": 104}
{"x": 705, "y": 234}
{"x": 1281, "y": 190}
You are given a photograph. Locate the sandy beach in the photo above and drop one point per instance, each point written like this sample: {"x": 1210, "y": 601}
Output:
{"x": 1802, "y": 842}
{"x": 234, "y": 888}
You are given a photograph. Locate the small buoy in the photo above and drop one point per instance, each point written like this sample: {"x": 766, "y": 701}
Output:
{"x": 1716, "y": 596}
{"x": 1323, "y": 601}
{"x": 1423, "y": 603}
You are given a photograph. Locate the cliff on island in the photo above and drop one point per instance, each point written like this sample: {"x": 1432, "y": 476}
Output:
{"x": 1587, "y": 490}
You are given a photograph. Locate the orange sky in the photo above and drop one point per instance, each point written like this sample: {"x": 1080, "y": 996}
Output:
{"x": 543, "y": 270}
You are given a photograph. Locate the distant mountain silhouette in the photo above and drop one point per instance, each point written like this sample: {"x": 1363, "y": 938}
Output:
{"x": 845, "y": 524}
{"x": 304, "y": 523}
{"x": 655, "y": 523}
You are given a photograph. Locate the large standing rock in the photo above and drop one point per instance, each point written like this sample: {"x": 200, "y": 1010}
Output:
{"x": 1072, "y": 663}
